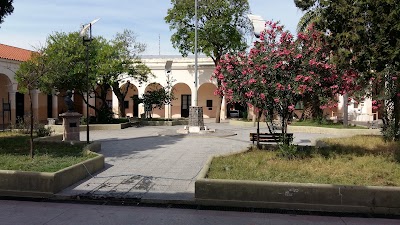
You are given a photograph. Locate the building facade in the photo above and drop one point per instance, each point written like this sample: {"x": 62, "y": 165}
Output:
{"x": 181, "y": 76}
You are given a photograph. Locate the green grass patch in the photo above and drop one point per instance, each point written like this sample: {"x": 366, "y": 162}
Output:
{"x": 360, "y": 160}
{"x": 327, "y": 124}
{"x": 49, "y": 157}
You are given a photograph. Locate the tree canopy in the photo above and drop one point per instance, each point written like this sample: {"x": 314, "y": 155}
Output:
{"x": 110, "y": 62}
{"x": 364, "y": 40}
{"x": 30, "y": 77}
{"x": 222, "y": 25}
{"x": 278, "y": 72}
{"x": 6, "y": 8}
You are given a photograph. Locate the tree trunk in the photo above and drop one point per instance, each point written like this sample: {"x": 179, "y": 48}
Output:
{"x": 307, "y": 110}
{"x": 258, "y": 129}
{"x": 121, "y": 98}
{"x": 317, "y": 113}
{"x": 31, "y": 152}
{"x": 396, "y": 117}
{"x": 345, "y": 110}
{"x": 218, "y": 113}
{"x": 219, "y": 103}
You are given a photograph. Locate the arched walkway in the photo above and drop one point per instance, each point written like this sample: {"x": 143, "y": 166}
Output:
{"x": 157, "y": 113}
{"x": 208, "y": 100}
{"x": 5, "y": 83}
{"x": 182, "y": 101}
{"x": 131, "y": 107}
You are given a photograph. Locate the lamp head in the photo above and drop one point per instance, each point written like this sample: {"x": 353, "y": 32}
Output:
{"x": 168, "y": 66}
{"x": 258, "y": 24}
{"x": 86, "y": 27}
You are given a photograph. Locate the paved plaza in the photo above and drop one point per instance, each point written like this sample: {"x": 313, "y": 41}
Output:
{"x": 154, "y": 163}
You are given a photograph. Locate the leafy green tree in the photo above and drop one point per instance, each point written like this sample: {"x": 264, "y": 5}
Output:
{"x": 278, "y": 72}
{"x": 109, "y": 63}
{"x": 67, "y": 59}
{"x": 310, "y": 16}
{"x": 120, "y": 60}
{"x": 157, "y": 98}
{"x": 364, "y": 39}
{"x": 6, "y": 8}
{"x": 30, "y": 77}
{"x": 222, "y": 25}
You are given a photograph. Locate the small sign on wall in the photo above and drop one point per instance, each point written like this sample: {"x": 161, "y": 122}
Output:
{"x": 6, "y": 107}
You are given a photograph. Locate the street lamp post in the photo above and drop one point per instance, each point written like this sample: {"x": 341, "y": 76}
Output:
{"x": 195, "y": 54}
{"x": 86, "y": 41}
{"x": 258, "y": 26}
{"x": 168, "y": 68}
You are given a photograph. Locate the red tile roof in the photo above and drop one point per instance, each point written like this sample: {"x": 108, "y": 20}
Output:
{"x": 14, "y": 53}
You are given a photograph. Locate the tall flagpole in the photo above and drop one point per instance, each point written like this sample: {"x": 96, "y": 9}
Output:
{"x": 195, "y": 55}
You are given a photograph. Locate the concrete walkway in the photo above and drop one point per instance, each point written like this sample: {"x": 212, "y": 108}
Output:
{"x": 155, "y": 164}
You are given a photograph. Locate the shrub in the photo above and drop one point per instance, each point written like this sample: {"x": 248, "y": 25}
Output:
{"x": 43, "y": 131}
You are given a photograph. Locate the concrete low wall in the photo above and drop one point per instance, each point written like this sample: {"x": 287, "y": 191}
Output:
{"x": 296, "y": 196}
{"x": 165, "y": 123}
{"x": 37, "y": 184}
{"x": 93, "y": 147}
{"x": 314, "y": 130}
{"x": 59, "y": 129}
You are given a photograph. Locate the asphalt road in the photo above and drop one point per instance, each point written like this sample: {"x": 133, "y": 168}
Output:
{"x": 45, "y": 213}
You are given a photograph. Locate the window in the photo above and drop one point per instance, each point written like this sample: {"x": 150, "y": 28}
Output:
{"x": 209, "y": 103}
{"x": 126, "y": 104}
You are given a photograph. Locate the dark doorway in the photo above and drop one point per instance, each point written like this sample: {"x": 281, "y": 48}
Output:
{"x": 135, "y": 106}
{"x": 19, "y": 106}
{"x": 49, "y": 106}
{"x": 186, "y": 102}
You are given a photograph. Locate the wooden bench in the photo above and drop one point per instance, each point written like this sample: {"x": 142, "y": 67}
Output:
{"x": 271, "y": 138}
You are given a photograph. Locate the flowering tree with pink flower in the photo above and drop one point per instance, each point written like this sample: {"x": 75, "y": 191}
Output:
{"x": 278, "y": 72}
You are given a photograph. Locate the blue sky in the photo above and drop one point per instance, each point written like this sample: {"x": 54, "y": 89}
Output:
{"x": 33, "y": 21}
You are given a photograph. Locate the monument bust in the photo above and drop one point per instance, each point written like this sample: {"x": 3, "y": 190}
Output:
{"x": 68, "y": 101}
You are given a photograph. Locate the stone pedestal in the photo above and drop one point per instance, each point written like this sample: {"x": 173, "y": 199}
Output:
{"x": 71, "y": 122}
{"x": 196, "y": 121}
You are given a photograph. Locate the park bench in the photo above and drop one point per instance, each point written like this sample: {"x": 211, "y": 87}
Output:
{"x": 270, "y": 138}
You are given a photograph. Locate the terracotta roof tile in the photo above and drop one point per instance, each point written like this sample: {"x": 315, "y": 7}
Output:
{"x": 14, "y": 53}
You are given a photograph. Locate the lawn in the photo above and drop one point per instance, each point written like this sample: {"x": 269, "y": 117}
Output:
{"x": 359, "y": 160}
{"x": 327, "y": 124}
{"x": 49, "y": 157}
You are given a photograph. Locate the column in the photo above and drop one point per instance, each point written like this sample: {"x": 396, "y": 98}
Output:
{"x": 55, "y": 106}
{"x": 224, "y": 111}
{"x": 194, "y": 94}
{"x": 141, "y": 89}
{"x": 35, "y": 104}
{"x": 115, "y": 105}
{"x": 13, "y": 106}
{"x": 168, "y": 111}
{"x": 92, "y": 102}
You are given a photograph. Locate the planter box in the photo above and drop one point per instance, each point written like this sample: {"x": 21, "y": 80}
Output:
{"x": 296, "y": 196}
{"x": 165, "y": 123}
{"x": 60, "y": 129}
{"x": 37, "y": 184}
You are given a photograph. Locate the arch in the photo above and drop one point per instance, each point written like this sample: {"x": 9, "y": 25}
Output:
{"x": 5, "y": 84}
{"x": 182, "y": 101}
{"x": 157, "y": 113}
{"x": 206, "y": 94}
{"x": 131, "y": 107}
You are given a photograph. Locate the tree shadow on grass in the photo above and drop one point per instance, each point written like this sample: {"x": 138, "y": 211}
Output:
{"x": 330, "y": 150}
{"x": 19, "y": 145}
